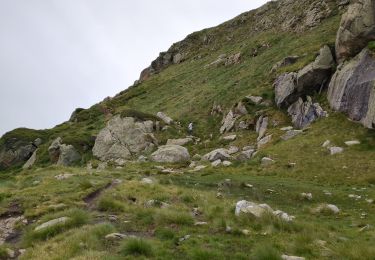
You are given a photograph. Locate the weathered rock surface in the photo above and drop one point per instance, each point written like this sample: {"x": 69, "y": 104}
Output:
{"x": 261, "y": 127}
{"x": 16, "y": 151}
{"x": 165, "y": 118}
{"x": 267, "y": 161}
{"x": 303, "y": 113}
{"x": 285, "y": 62}
{"x": 171, "y": 154}
{"x": 30, "y": 163}
{"x": 218, "y": 154}
{"x": 352, "y": 89}
{"x": 181, "y": 141}
{"x": 291, "y": 134}
{"x": 7, "y": 227}
{"x": 312, "y": 78}
{"x": 228, "y": 122}
{"x": 122, "y": 138}
{"x": 265, "y": 140}
{"x": 257, "y": 210}
{"x": 62, "y": 154}
{"x": 245, "y": 155}
{"x": 288, "y": 257}
{"x": 357, "y": 28}
{"x": 51, "y": 223}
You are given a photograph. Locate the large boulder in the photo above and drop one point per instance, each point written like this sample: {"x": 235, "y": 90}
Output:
{"x": 122, "y": 138}
{"x": 352, "y": 89}
{"x": 171, "y": 154}
{"x": 357, "y": 28}
{"x": 30, "y": 163}
{"x": 312, "y": 78}
{"x": 16, "y": 151}
{"x": 303, "y": 113}
{"x": 165, "y": 118}
{"x": 218, "y": 154}
{"x": 62, "y": 154}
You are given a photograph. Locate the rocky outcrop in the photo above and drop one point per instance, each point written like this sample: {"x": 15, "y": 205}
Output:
{"x": 228, "y": 122}
{"x": 16, "y": 152}
{"x": 181, "y": 141}
{"x": 303, "y": 113}
{"x": 352, "y": 89}
{"x": 357, "y": 28}
{"x": 218, "y": 154}
{"x": 285, "y": 62}
{"x": 30, "y": 163}
{"x": 166, "y": 119}
{"x": 312, "y": 78}
{"x": 261, "y": 127}
{"x": 62, "y": 154}
{"x": 122, "y": 138}
{"x": 171, "y": 154}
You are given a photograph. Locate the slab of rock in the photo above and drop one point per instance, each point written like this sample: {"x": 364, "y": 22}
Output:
{"x": 304, "y": 113}
{"x": 30, "y": 163}
{"x": 251, "y": 208}
{"x": 283, "y": 215}
{"x": 357, "y": 28}
{"x": 264, "y": 141}
{"x": 171, "y": 154}
{"x": 291, "y": 134}
{"x": 229, "y": 138}
{"x": 166, "y": 119}
{"x": 216, "y": 163}
{"x": 227, "y": 163}
{"x": 8, "y": 226}
{"x": 288, "y": 257}
{"x": 245, "y": 155}
{"x": 287, "y": 128}
{"x": 122, "y": 138}
{"x": 336, "y": 150}
{"x": 118, "y": 236}
{"x": 285, "y": 89}
{"x": 147, "y": 181}
{"x": 327, "y": 208}
{"x": 307, "y": 196}
{"x": 228, "y": 122}
{"x": 181, "y": 142}
{"x": 233, "y": 150}
{"x": 218, "y": 154}
{"x": 352, "y": 89}
{"x": 261, "y": 127}
{"x": 326, "y": 144}
{"x": 256, "y": 100}
{"x": 64, "y": 176}
{"x": 52, "y": 223}
{"x": 285, "y": 62}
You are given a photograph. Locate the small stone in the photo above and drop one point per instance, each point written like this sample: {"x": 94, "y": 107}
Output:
{"x": 292, "y": 165}
{"x": 326, "y": 143}
{"x": 353, "y": 196}
{"x": 287, "y": 128}
{"x": 287, "y": 257}
{"x": 249, "y": 147}
{"x": 227, "y": 163}
{"x": 267, "y": 161}
{"x": 219, "y": 195}
{"x": 216, "y": 163}
{"x": 229, "y": 138}
{"x": 147, "y": 181}
{"x": 262, "y": 142}
{"x": 351, "y": 143}
{"x": 51, "y": 223}
{"x": 291, "y": 134}
{"x": 307, "y": 196}
{"x": 246, "y": 232}
{"x": 200, "y": 223}
{"x": 249, "y": 186}
{"x": 336, "y": 150}
{"x": 233, "y": 150}
{"x": 370, "y": 201}
{"x": 64, "y": 176}
{"x": 228, "y": 229}
{"x": 118, "y": 236}
{"x": 184, "y": 238}
{"x": 255, "y": 99}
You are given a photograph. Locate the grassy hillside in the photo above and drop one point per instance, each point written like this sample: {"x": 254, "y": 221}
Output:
{"x": 100, "y": 202}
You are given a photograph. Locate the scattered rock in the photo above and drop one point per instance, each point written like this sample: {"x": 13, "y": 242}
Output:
{"x": 171, "y": 154}
{"x": 142, "y": 159}
{"x": 287, "y": 128}
{"x": 256, "y": 100}
{"x": 288, "y": 257}
{"x": 166, "y": 119}
{"x": 336, "y": 150}
{"x": 291, "y": 134}
{"x": 330, "y": 208}
{"x": 228, "y": 122}
{"x": 267, "y": 161}
{"x": 156, "y": 203}
{"x": 8, "y": 227}
{"x": 118, "y": 236}
{"x": 251, "y": 208}
{"x": 305, "y": 113}
{"x": 68, "y": 155}
{"x": 283, "y": 216}
{"x": 264, "y": 141}
{"x": 353, "y": 196}
{"x": 184, "y": 238}
{"x": 245, "y": 155}
{"x": 218, "y": 154}
{"x": 357, "y": 28}
{"x": 227, "y": 163}
{"x": 352, "y": 89}
{"x": 200, "y": 223}
{"x": 233, "y": 150}
{"x": 64, "y": 176}
{"x": 233, "y": 59}
{"x": 51, "y": 223}
{"x": 147, "y": 181}
{"x": 326, "y": 144}
{"x": 285, "y": 88}
{"x": 229, "y": 138}
{"x": 261, "y": 127}
{"x": 216, "y": 163}
{"x": 245, "y": 232}
{"x": 181, "y": 142}
{"x": 306, "y": 196}
{"x": 351, "y": 143}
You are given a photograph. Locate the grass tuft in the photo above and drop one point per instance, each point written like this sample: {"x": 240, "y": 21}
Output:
{"x": 137, "y": 247}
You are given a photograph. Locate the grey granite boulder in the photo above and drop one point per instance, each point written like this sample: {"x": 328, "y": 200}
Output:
{"x": 357, "y": 28}
{"x": 352, "y": 89}
{"x": 303, "y": 113}
{"x": 171, "y": 154}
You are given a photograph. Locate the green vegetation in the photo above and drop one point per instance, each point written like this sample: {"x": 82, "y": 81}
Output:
{"x": 136, "y": 247}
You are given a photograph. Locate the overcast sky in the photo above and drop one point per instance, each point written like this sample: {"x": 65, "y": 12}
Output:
{"x": 57, "y": 55}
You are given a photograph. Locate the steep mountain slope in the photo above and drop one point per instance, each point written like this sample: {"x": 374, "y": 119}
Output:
{"x": 229, "y": 81}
